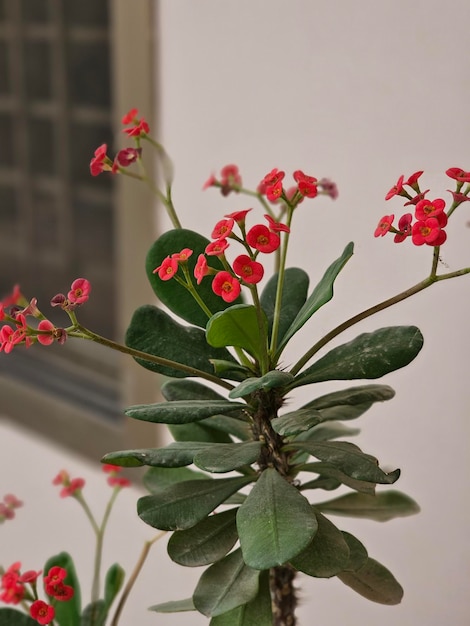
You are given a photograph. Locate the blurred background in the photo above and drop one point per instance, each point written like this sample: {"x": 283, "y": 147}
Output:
{"x": 358, "y": 92}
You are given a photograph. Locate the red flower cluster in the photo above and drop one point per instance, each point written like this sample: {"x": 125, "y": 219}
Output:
{"x": 307, "y": 187}
{"x": 78, "y": 294}
{"x": 70, "y": 485}
{"x": 430, "y": 216}
{"x": 54, "y": 584}
{"x": 8, "y": 506}
{"x": 230, "y": 180}
{"x": 138, "y": 127}
{"x": 169, "y": 266}
{"x": 114, "y": 480}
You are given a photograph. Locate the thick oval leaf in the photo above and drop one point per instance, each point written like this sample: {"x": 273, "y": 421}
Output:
{"x": 67, "y": 613}
{"x": 325, "y": 470}
{"x": 113, "y": 583}
{"x": 361, "y": 394}
{"x": 206, "y": 542}
{"x": 294, "y": 294}
{"x": 348, "y": 458}
{"x": 327, "y": 431}
{"x": 12, "y": 617}
{"x": 198, "y": 431}
{"x": 296, "y": 422}
{"x": 257, "y": 612}
{"x": 238, "y": 326}
{"x": 176, "y": 454}
{"x": 225, "y": 585}
{"x": 187, "y": 389}
{"x": 176, "y": 297}
{"x": 370, "y": 355}
{"x": 174, "y": 606}
{"x": 94, "y": 614}
{"x": 158, "y": 478}
{"x": 375, "y": 582}
{"x": 229, "y": 370}
{"x": 275, "y": 522}
{"x": 183, "y": 411}
{"x": 322, "y": 293}
{"x": 226, "y": 457}
{"x": 271, "y": 380}
{"x": 153, "y": 331}
{"x": 357, "y": 552}
{"x": 326, "y": 555}
{"x": 380, "y": 507}
{"x": 185, "y": 504}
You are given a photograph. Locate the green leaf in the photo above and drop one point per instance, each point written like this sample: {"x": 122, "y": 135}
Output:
{"x": 187, "y": 389}
{"x": 326, "y": 555}
{"x": 198, "y": 431}
{"x": 158, "y": 478}
{"x": 67, "y": 613}
{"x": 225, "y": 585}
{"x": 271, "y": 380}
{"x": 256, "y": 612}
{"x": 153, "y": 331}
{"x": 362, "y": 394}
{"x": 370, "y": 355}
{"x": 375, "y": 582}
{"x": 184, "y": 504}
{"x": 94, "y": 614}
{"x": 176, "y": 454}
{"x": 226, "y": 457}
{"x": 322, "y": 293}
{"x": 206, "y": 542}
{"x": 380, "y": 507}
{"x": 348, "y": 458}
{"x": 357, "y": 552}
{"x": 238, "y": 327}
{"x": 113, "y": 583}
{"x": 229, "y": 370}
{"x": 183, "y": 411}
{"x": 176, "y": 297}
{"x": 294, "y": 294}
{"x": 174, "y": 606}
{"x": 325, "y": 470}
{"x": 296, "y": 422}
{"x": 326, "y": 431}
{"x": 275, "y": 522}
{"x": 12, "y": 617}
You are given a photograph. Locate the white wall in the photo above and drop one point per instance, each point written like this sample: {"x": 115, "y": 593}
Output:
{"x": 360, "y": 92}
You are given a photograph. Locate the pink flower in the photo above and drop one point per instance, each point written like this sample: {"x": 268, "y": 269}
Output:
{"x": 404, "y": 227}
{"x": 127, "y": 156}
{"x": 223, "y": 229}
{"x": 307, "y": 185}
{"x": 230, "y": 179}
{"x": 210, "y": 182}
{"x": 427, "y": 208}
{"x": 250, "y": 271}
{"x": 217, "y": 248}
{"x": 226, "y": 286}
{"x": 46, "y": 325}
{"x": 429, "y": 231}
{"x": 79, "y": 291}
{"x": 328, "y": 187}
{"x": 30, "y": 576}
{"x": 40, "y": 611}
{"x": 396, "y": 189}
{"x": 458, "y": 174}
{"x": 183, "y": 255}
{"x": 384, "y": 225}
{"x": 262, "y": 239}
{"x": 167, "y": 269}
{"x": 276, "y": 227}
{"x": 13, "y": 298}
{"x": 201, "y": 269}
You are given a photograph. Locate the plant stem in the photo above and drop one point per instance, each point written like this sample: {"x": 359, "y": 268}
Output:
{"x": 424, "y": 284}
{"x": 283, "y": 594}
{"x": 109, "y": 343}
{"x": 133, "y": 577}
{"x": 95, "y": 589}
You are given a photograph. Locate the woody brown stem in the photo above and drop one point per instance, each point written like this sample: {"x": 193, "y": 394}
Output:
{"x": 283, "y": 595}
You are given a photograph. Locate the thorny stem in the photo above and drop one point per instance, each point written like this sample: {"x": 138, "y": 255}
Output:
{"x": 133, "y": 577}
{"x": 424, "y": 284}
{"x": 193, "y": 371}
{"x": 283, "y": 594}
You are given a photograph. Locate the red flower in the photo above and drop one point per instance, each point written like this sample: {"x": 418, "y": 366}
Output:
{"x": 13, "y": 591}
{"x": 230, "y": 179}
{"x": 396, "y": 189}
{"x": 239, "y": 216}
{"x": 384, "y": 225}
{"x": 223, "y": 229}
{"x": 59, "y": 591}
{"x": 210, "y": 182}
{"x": 271, "y": 185}
{"x": 429, "y": 231}
{"x": 100, "y": 161}
{"x": 276, "y": 227}
{"x": 140, "y": 129}
{"x": 217, "y": 248}
{"x": 13, "y": 298}
{"x": 40, "y": 611}
{"x": 262, "y": 239}
{"x": 114, "y": 480}
{"x": 425, "y": 208}
{"x": 458, "y": 174}
{"x": 44, "y": 339}
{"x": 328, "y": 187}
{"x": 201, "y": 269}
{"x": 127, "y": 156}
{"x": 183, "y": 255}
{"x": 55, "y": 575}
{"x": 167, "y": 269}
{"x": 79, "y": 291}
{"x": 412, "y": 180}
{"x": 129, "y": 117}
{"x": 404, "y": 226}
{"x": 226, "y": 286}
{"x": 70, "y": 486}
{"x": 30, "y": 576}
{"x": 307, "y": 185}
{"x": 250, "y": 271}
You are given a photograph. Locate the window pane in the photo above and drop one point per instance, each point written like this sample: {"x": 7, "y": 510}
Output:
{"x": 9, "y": 211}
{"x": 86, "y": 12}
{"x": 7, "y": 158}
{"x": 42, "y": 155}
{"x": 37, "y": 70}
{"x": 35, "y": 10}
{"x": 4, "y": 73}
{"x": 88, "y": 73}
